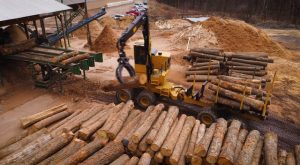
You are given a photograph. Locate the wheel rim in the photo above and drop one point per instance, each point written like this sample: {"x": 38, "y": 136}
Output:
{"x": 123, "y": 96}
{"x": 144, "y": 101}
{"x": 207, "y": 119}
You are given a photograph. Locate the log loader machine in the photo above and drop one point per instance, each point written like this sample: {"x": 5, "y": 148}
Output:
{"x": 151, "y": 69}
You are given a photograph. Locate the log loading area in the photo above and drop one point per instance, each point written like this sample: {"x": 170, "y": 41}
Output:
{"x": 214, "y": 85}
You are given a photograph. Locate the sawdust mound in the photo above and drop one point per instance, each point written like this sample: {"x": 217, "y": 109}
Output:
{"x": 106, "y": 41}
{"x": 95, "y": 30}
{"x": 235, "y": 35}
{"x": 172, "y": 23}
{"x": 123, "y": 23}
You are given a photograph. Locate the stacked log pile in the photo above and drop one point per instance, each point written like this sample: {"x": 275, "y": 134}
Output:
{"x": 207, "y": 63}
{"x": 119, "y": 134}
{"x": 239, "y": 93}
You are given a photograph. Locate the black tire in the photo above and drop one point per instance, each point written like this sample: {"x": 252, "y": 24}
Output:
{"x": 123, "y": 95}
{"x": 145, "y": 99}
{"x": 207, "y": 116}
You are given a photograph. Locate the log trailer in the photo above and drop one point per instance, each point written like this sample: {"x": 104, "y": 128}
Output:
{"x": 149, "y": 82}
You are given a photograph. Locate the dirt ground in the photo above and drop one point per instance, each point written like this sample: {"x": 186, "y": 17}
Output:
{"x": 19, "y": 98}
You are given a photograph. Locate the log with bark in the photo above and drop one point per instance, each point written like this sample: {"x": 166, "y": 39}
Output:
{"x": 104, "y": 109}
{"x": 297, "y": 153}
{"x": 232, "y": 86}
{"x": 253, "y": 62}
{"x": 257, "y": 104}
{"x": 202, "y": 72}
{"x": 129, "y": 134}
{"x": 132, "y": 146}
{"x": 243, "y": 81}
{"x": 239, "y": 144}
{"x": 106, "y": 155}
{"x": 227, "y": 152}
{"x": 75, "y": 58}
{"x": 120, "y": 160}
{"x": 142, "y": 146}
{"x": 216, "y": 144}
{"x": 60, "y": 123}
{"x": 48, "y": 149}
{"x": 84, "y": 152}
{"x": 200, "y": 134}
{"x": 23, "y": 142}
{"x": 234, "y": 63}
{"x": 206, "y": 56}
{"x": 246, "y": 76}
{"x": 151, "y": 152}
{"x": 64, "y": 56}
{"x": 246, "y": 68}
{"x": 270, "y": 148}
{"x": 258, "y": 56}
{"x": 182, "y": 160}
{"x": 21, "y": 154}
{"x": 145, "y": 159}
{"x": 200, "y": 78}
{"x": 282, "y": 154}
{"x": 192, "y": 142}
{"x": 252, "y": 73}
{"x": 290, "y": 159}
{"x": 256, "y": 160}
{"x": 196, "y": 160}
{"x": 153, "y": 132}
{"x": 169, "y": 144}
{"x": 129, "y": 82}
{"x": 121, "y": 118}
{"x": 133, "y": 161}
{"x": 64, "y": 153}
{"x": 165, "y": 128}
{"x": 146, "y": 125}
{"x": 133, "y": 113}
{"x": 202, "y": 147}
{"x": 28, "y": 120}
{"x": 201, "y": 60}
{"x": 158, "y": 157}
{"x": 48, "y": 121}
{"x": 206, "y": 63}
{"x": 209, "y": 67}
{"x": 247, "y": 152}
{"x": 229, "y": 102}
{"x": 185, "y": 133}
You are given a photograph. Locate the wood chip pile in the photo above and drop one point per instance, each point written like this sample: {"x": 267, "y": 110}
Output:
{"x": 207, "y": 63}
{"x": 120, "y": 134}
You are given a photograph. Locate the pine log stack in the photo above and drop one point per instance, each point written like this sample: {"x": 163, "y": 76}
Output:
{"x": 206, "y": 61}
{"x": 157, "y": 136}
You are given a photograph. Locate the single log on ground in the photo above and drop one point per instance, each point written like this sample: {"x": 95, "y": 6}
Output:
{"x": 255, "y": 73}
{"x": 145, "y": 159}
{"x": 146, "y": 125}
{"x": 64, "y": 56}
{"x": 21, "y": 154}
{"x": 247, "y": 152}
{"x": 202, "y": 147}
{"x": 239, "y": 144}
{"x": 129, "y": 134}
{"x": 225, "y": 101}
{"x": 206, "y": 63}
{"x": 115, "y": 85}
{"x": 247, "y": 82}
{"x": 106, "y": 155}
{"x": 153, "y": 132}
{"x": 227, "y": 152}
{"x": 169, "y": 144}
{"x": 216, "y": 144}
{"x": 133, "y": 161}
{"x": 257, "y": 104}
{"x": 19, "y": 144}
{"x": 48, "y": 121}
{"x": 85, "y": 132}
{"x": 165, "y": 128}
{"x": 14, "y": 139}
{"x": 206, "y": 56}
{"x": 182, "y": 160}
{"x": 26, "y": 121}
{"x": 192, "y": 142}
{"x": 60, "y": 123}
{"x": 64, "y": 153}
{"x": 257, "y": 152}
{"x": 75, "y": 58}
{"x": 297, "y": 153}
{"x": 202, "y": 72}
{"x": 102, "y": 132}
{"x": 253, "y": 62}
{"x": 121, "y": 118}
{"x": 128, "y": 128}
{"x": 270, "y": 148}
{"x": 185, "y": 133}
{"x": 211, "y": 67}
{"x": 51, "y": 147}
{"x": 158, "y": 157}
{"x": 121, "y": 160}
{"x": 200, "y": 78}
{"x": 290, "y": 159}
{"x": 213, "y": 51}
{"x": 84, "y": 152}
{"x": 282, "y": 154}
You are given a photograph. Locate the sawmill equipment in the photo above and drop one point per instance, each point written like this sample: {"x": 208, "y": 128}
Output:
{"x": 151, "y": 69}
